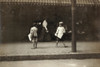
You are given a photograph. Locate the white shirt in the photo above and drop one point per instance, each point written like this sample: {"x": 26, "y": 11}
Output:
{"x": 60, "y": 31}
{"x": 33, "y": 32}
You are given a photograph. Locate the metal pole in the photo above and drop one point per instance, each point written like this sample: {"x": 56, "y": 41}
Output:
{"x": 73, "y": 26}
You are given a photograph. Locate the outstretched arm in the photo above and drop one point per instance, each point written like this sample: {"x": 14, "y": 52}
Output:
{"x": 57, "y": 32}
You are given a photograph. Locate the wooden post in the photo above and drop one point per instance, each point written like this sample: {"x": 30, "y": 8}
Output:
{"x": 73, "y": 2}
{"x": 0, "y": 22}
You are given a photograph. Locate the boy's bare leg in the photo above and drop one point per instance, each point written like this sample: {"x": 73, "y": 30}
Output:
{"x": 33, "y": 41}
{"x": 57, "y": 42}
{"x": 63, "y": 43}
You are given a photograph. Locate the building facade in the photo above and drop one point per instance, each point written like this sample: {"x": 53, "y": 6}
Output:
{"x": 17, "y": 16}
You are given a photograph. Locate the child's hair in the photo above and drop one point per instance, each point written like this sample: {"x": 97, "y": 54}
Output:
{"x": 34, "y": 24}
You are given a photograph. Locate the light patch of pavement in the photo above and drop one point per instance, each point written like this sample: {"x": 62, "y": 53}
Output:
{"x": 53, "y": 63}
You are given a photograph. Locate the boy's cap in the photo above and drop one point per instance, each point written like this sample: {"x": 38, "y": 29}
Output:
{"x": 60, "y": 22}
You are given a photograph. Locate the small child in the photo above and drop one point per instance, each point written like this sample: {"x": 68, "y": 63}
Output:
{"x": 59, "y": 33}
{"x": 33, "y": 35}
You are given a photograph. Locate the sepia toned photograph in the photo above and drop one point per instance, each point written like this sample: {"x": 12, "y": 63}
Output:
{"x": 49, "y": 33}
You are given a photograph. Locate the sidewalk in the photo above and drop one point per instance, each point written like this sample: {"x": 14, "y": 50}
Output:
{"x": 48, "y": 50}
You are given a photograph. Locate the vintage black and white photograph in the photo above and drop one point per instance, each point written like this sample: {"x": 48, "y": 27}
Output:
{"x": 49, "y": 33}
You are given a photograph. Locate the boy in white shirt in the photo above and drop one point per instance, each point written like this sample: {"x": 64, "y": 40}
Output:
{"x": 59, "y": 33}
{"x": 33, "y": 35}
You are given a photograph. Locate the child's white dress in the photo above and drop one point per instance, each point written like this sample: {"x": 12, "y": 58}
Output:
{"x": 60, "y": 31}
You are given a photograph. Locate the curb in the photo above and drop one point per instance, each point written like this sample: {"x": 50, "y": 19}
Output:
{"x": 50, "y": 57}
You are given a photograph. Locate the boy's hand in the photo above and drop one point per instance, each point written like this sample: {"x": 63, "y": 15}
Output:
{"x": 47, "y": 31}
{"x": 70, "y": 31}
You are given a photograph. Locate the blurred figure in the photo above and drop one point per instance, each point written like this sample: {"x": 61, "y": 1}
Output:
{"x": 44, "y": 24}
{"x": 45, "y": 32}
{"x": 59, "y": 33}
{"x": 33, "y": 35}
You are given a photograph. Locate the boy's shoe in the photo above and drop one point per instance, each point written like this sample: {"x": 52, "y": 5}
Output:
{"x": 65, "y": 46}
{"x": 33, "y": 48}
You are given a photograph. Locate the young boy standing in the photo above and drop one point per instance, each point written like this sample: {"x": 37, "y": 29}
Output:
{"x": 33, "y": 35}
{"x": 59, "y": 33}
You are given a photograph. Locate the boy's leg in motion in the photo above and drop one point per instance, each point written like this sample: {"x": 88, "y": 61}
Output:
{"x": 63, "y": 43}
{"x": 57, "y": 41}
{"x": 35, "y": 42}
